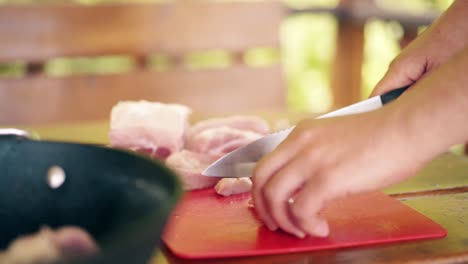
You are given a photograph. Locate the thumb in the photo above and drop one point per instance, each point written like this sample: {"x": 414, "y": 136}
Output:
{"x": 400, "y": 73}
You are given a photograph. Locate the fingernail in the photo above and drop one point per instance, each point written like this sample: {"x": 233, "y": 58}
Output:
{"x": 321, "y": 230}
{"x": 300, "y": 234}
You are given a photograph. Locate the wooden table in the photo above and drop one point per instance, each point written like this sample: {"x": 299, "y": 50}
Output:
{"x": 439, "y": 191}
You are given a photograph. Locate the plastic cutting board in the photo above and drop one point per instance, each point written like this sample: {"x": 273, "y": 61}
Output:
{"x": 206, "y": 225}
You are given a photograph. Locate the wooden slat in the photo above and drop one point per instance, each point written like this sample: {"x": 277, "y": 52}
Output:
{"x": 349, "y": 52}
{"x": 409, "y": 35}
{"x": 44, "y": 99}
{"x": 449, "y": 171}
{"x": 40, "y": 32}
{"x": 346, "y": 74}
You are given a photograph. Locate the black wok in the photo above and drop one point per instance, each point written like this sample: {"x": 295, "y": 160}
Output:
{"x": 122, "y": 199}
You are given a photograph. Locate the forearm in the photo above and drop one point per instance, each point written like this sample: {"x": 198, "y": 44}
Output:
{"x": 452, "y": 26}
{"x": 433, "y": 114}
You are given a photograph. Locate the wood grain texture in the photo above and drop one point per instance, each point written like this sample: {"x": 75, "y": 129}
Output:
{"x": 443, "y": 173}
{"x": 41, "y": 99}
{"x": 35, "y": 33}
{"x": 347, "y": 65}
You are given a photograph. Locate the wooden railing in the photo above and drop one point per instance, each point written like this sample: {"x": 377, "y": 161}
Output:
{"x": 35, "y": 34}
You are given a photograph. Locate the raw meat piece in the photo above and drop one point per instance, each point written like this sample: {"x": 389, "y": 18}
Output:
{"x": 189, "y": 165}
{"x": 250, "y": 123}
{"x": 218, "y": 141}
{"x": 50, "y": 246}
{"x": 231, "y": 186}
{"x": 149, "y": 127}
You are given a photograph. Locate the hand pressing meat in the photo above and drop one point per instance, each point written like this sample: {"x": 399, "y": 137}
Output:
{"x": 326, "y": 159}
{"x": 49, "y": 246}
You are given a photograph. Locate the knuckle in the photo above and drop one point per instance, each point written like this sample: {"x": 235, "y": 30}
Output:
{"x": 398, "y": 62}
{"x": 394, "y": 63}
{"x": 270, "y": 194}
{"x": 299, "y": 213}
{"x": 311, "y": 153}
{"x": 304, "y": 133}
{"x": 304, "y": 136}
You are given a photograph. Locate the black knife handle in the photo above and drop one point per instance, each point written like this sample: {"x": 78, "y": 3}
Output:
{"x": 393, "y": 94}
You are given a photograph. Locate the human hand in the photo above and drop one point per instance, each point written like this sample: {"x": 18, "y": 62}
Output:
{"x": 49, "y": 246}
{"x": 442, "y": 40}
{"x": 325, "y": 159}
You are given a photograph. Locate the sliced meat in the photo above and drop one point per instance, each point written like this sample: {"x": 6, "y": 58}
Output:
{"x": 154, "y": 128}
{"x": 249, "y": 123}
{"x": 189, "y": 166}
{"x": 218, "y": 141}
{"x": 231, "y": 186}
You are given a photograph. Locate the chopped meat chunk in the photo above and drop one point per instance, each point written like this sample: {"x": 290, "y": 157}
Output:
{"x": 218, "y": 141}
{"x": 149, "y": 127}
{"x": 189, "y": 166}
{"x": 249, "y": 123}
{"x": 231, "y": 186}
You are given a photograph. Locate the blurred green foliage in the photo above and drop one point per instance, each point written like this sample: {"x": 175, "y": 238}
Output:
{"x": 308, "y": 43}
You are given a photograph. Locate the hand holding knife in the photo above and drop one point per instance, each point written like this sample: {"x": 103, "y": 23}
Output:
{"x": 242, "y": 161}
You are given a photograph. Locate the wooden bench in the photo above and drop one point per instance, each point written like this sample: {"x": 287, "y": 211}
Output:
{"x": 34, "y": 34}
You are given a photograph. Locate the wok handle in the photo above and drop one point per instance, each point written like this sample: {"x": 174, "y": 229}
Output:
{"x": 14, "y": 132}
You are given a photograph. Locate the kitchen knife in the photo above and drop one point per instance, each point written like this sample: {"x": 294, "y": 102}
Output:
{"x": 242, "y": 161}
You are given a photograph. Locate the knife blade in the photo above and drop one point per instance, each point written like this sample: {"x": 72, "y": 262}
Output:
{"x": 241, "y": 162}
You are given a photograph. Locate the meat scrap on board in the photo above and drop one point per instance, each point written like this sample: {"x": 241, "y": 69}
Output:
{"x": 163, "y": 131}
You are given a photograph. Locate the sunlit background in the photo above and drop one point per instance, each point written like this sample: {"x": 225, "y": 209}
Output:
{"x": 307, "y": 52}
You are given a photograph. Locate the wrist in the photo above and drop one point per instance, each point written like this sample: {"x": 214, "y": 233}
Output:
{"x": 432, "y": 114}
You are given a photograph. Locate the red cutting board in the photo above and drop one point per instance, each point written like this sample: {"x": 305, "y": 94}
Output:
{"x": 206, "y": 225}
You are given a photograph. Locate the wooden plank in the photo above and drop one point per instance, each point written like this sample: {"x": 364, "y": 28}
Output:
{"x": 44, "y": 99}
{"x": 409, "y": 35}
{"x": 346, "y": 72}
{"x": 449, "y": 171}
{"x": 40, "y": 32}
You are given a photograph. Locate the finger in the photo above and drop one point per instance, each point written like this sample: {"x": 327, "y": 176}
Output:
{"x": 74, "y": 242}
{"x": 400, "y": 74}
{"x": 266, "y": 168}
{"x": 283, "y": 153}
{"x": 260, "y": 208}
{"x": 305, "y": 209}
{"x": 281, "y": 187}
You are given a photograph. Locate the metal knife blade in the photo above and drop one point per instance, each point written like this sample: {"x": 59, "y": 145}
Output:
{"x": 242, "y": 161}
